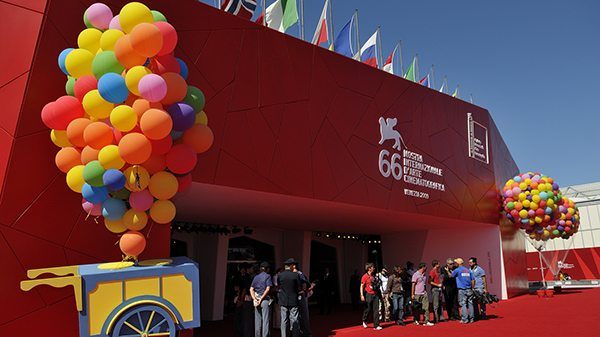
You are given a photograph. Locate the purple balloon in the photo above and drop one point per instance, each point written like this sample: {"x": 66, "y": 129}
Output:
{"x": 92, "y": 209}
{"x": 114, "y": 23}
{"x": 99, "y": 15}
{"x": 183, "y": 116}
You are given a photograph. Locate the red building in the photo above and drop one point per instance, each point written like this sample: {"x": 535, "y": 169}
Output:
{"x": 299, "y": 149}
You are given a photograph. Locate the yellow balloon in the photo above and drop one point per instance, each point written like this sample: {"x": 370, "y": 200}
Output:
{"x": 550, "y": 202}
{"x": 109, "y": 38}
{"x": 135, "y": 220}
{"x": 89, "y": 39}
{"x": 137, "y": 178}
{"x": 134, "y": 13}
{"x": 109, "y": 157}
{"x": 115, "y": 226}
{"x": 123, "y": 118}
{"x": 526, "y": 203}
{"x": 96, "y": 106}
{"x": 75, "y": 178}
{"x": 59, "y": 138}
{"x": 163, "y": 185}
{"x": 533, "y": 205}
{"x": 536, "y": 198}
{"x": 522, "y": 196}
{"x": 201, "y": 118}
{"x": 162, "y": 211}
{"x": 79, "y": 62}
{"x": 133, "y": 77}
{"x": 523, "y": 186}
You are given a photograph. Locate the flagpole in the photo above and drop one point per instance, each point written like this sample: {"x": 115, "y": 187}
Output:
{"x": 400, "y": 52}
{"x": 264, "y": 4}
{"x": 357, "y": 34}
{"x": 418, "y": 77}
{"x": 432, "y": 77}
{"x": 302, "y": 20}
{"x": 378, "y": 48}
{"x": 471, "y": 98}
{"x": 331, "y": 20}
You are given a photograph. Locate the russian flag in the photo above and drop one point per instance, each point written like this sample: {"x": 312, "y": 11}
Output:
{"x": 368, "y": 52}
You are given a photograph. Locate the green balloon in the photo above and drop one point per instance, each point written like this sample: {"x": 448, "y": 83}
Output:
{"x": 158, "y": 16}
{"x": 69, "y": 87}
{"x": 86, "y": 22}
{"x": 106, "y": 62}
{"x": 195, "y": 98}
{"x": 122, "y": 194}
{"x": 92, "y": 173}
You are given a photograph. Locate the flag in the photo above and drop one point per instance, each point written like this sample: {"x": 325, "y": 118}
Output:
{"x": 368, "y": 52}
{"x": 281, "y": 15}
{"x": 455, "y": 93}
{"x": 443, "y": 87}
{"x": 425, "y": 81}
{"x": 343, "y": 42}
{"x": 261, "y": 19}
{"x": 389, "y": 63}
{"x": 410, "y": 73}
{"x": 322, "y": 31}
{"x": 241, "y": 8}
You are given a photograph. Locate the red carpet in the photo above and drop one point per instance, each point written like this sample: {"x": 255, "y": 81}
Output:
{"x": 572, "y": 313}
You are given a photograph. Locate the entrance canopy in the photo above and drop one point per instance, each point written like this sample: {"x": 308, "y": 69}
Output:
{"x": 206, "y": 203}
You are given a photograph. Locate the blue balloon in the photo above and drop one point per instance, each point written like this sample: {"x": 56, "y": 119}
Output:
{"x": 114, "y": 180}
{"x": 113, "y": 209}
{"x": 184, "y": 72}
{"x": 93, "y": 194}
{"x": 62, "y": 57}
{"x": 112, "y": 88}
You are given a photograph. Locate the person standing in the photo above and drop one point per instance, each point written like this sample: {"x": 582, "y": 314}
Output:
{"x": 289, "y": 287}
{"x": 385, "y": 304}
{"x": 464, "y": 282}
{"x": 419, "y": 294}
{"x": 436, "y": 291}
{"x": 394, "y": 287}
{"x": 306, "y": 290}
{"x": 407, "y": 286}
{"x": 480, "y": 288}
{"x": 367, "y": 283}
{"x": 450, "y": 290}
{"x": 260, "y": 292}
{"x": 354, "y": 289}
{"x": 326, "y": 291}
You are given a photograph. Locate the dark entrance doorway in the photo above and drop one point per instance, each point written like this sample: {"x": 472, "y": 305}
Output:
{"x": 323, "y": 271}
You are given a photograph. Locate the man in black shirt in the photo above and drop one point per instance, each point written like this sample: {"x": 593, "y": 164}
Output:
{"x": 450, "y": 290}
{"x": 289, "y": 285}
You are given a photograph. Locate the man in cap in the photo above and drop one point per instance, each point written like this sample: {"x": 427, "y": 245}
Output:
{"x": 289, "y": 286}
{"x": 259, "y": 290}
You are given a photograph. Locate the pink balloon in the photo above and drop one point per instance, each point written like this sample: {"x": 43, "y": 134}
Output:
{"x": 99, "y": 15}
{"x": 169, "y": 37}
{"x": 141, "y": 201}
{"x": 92, "y": 209}
{"x": 114, "y": 23}
{"x": 152, "y": 87}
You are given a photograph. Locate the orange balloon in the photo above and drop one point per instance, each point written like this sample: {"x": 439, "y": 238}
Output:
{"x": 146, "y": 39}
{"x": 67, "y": 158}
{"x": 98, "y": 135}
{"x": 126, "y": 55}
{"x": 75, "y": 131}
{"x": 141, "y": 105}
{"x": 89, "y": 154}
{"x": 156, "y": 163}
{"x": 176, "y": 88}
{"x": 135, "y": 148}
{"x": 132, "y": 243}
{"x": 156, "y": 124}
{"x": 200, "y": 137}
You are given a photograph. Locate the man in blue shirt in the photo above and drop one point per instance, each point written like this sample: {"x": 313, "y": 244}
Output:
{"x": 480, "y": 287}
{"x": 259, "y": 290}
{"x": 465, "y": 283}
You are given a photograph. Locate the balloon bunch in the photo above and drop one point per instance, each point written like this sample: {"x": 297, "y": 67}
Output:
{"x": 129, "y": 127}
{"x": 534, "y": 202}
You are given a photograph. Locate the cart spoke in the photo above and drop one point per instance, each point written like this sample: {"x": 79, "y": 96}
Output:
{"x": 159, "y": 334}
{"x": 133, "y": 327}
{"x": 150, "y": 321}
{"x": 158, "y": 325}
{"x": 140, "y": 320}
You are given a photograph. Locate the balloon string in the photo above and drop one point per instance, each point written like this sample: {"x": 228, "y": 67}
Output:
{"x": 150, "y": 229}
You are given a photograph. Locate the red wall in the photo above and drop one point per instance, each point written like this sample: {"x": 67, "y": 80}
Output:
{"x": 580, "y": 264}
{"x": 288, "y": 118}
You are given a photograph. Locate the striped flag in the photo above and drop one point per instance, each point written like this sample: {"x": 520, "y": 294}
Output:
{"x": 281, "y": 15}
{"x": 368, "y": 52}
{"x": 322, "y": 31}
{"x": 389, "y": 63}
{"x": 425, "y": 81}
{"x": 411, "y": 72}
{"x": 455, "y": 93}
{"x": 241, "y": 8}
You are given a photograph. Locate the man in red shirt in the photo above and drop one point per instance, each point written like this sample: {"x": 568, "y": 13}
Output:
{"x": 367, "y": 286}
{"x": 436, "y": 291}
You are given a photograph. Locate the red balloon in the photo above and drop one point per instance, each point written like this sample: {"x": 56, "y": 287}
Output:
{"x": 184, "y": 182}
{"x": 162, "y": 146}
{"x": 132, "y": 243}
{"x": 156, "y": 163}
{"x": 165, "y": 64}
{"x": 169, "y": 37}
{"x": 83, "y": 85}
{"x": 57, "y": 115}
{"x": 181, "y": 159}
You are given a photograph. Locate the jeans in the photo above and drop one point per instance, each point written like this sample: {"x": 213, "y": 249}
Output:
{"x": 436, "y": 298}
{"x": 372, "y": 302}
{"x": 398, "y": 306}
{"x": 479, "y": 307}
{"x": 424, "y": 300}
{"x": 465, "y": 300}
{"x": 289, "y": 318}
{"x": 262, "y": 319}
{"x": 304, "y": 318}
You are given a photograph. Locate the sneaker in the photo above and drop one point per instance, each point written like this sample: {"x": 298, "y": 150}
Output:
{"x": 471, "y": 321}
{"x": 428, "y": 324}
{"x": 401, "y": 323}
{"x": 417, "y": 323}
{"x": 365, "y": 325}
{"x": 464, "y": 322}
{"x": 378, "y": 328}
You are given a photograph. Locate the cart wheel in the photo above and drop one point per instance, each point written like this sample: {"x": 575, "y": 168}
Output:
{"x": 145, "y": 321}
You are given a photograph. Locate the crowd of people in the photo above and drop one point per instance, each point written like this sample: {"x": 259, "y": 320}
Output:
{"x": 403, "y": 292}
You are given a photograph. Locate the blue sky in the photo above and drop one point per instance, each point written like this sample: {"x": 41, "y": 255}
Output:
{"x": 535, "y": 65}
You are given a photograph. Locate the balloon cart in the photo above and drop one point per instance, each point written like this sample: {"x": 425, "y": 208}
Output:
{"x": 122, "y": 299}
